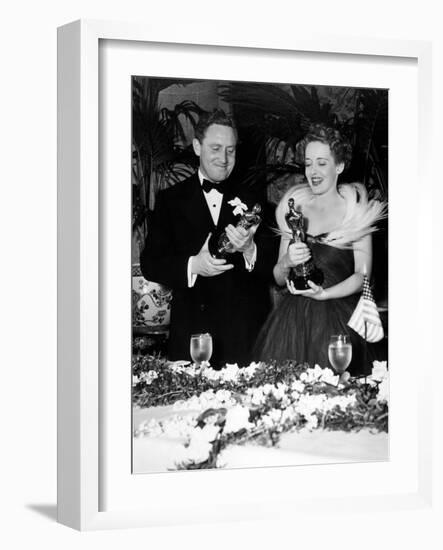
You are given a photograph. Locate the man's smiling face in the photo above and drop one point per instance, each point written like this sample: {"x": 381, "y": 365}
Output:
{"x": 216, "y": 152}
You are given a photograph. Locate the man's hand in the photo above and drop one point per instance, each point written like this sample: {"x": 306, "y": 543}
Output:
{"x": 242, "y": 239}
{"x": 205, "y": 265}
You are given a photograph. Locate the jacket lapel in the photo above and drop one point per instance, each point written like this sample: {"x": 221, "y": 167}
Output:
{"x": 196, "y": 208}
{"x": 226, "y": 216}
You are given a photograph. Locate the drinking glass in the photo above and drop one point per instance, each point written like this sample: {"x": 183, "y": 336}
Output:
{"x": 201, "y": 348}
{"x": 340, "y": 352}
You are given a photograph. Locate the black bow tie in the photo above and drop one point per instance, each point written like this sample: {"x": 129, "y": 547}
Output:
{"x": 208, "y": 185}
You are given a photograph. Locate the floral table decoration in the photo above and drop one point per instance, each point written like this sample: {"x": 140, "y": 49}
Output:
{"x": 212, "y": 410}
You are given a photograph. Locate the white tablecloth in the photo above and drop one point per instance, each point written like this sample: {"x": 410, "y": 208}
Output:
{"x": 158, "y": 454}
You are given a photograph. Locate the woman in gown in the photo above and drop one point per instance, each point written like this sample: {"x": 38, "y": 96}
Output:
{"x": 339, "y": 220}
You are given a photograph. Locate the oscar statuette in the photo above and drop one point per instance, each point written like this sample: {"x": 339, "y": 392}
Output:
{"x": 220, "y": 246}
{"x": 300, "y": 274}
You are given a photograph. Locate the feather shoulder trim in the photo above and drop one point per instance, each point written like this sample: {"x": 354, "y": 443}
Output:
{"x": 361, "y": 218}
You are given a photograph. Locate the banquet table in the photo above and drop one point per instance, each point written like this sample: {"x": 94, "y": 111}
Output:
{"x": 160, "y": 453}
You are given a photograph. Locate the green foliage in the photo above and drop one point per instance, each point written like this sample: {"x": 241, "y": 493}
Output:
{"x": 274, "y": 118}
{"x": 159, "y": 158}
{"x": 158, "y": 384}
{"x": 171, "y": 385}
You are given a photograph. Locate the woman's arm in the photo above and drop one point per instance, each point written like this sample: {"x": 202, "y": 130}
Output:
{"x": 362, "y": 265}
{"x": 297, "y": 253}
{"x": 281, "y": 269}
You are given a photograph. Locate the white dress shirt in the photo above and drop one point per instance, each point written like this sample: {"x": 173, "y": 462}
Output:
{"x": 214, "y": 201}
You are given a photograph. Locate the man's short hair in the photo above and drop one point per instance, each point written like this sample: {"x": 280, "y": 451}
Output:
{"x": 217, "y": 116}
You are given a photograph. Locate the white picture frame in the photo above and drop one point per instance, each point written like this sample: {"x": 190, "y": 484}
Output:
{"x": 80, "y": 384}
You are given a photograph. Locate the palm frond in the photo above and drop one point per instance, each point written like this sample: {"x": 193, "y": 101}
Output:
{"x": 160, "y": 158}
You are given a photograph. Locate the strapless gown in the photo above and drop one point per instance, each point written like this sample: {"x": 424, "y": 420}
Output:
{"x": 299, "y": 328}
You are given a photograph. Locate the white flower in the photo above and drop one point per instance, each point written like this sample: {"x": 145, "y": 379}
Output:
{"x": 179, "y": 426}
{"x": 224, "y": 397}
{"x": 280, "y": 391}
{"x": 230, "y": 372}
{"x": 210, "y": 431}
{"x": 288, "y": 414}
{"x": 379, "y": 370}
{"x": 317, "y": 371}
{"x": 207, "y": 434}
{"x": 309, "y": 404}
{"x": 240, "y": 207}
{"x": 148, "y": 377}
{"x": 200, "y": 443}
{"x": 256, "y": 396}
{"x": 268, "y": 389}
{"x": 206, "y": 400}
{"x": 318, "y": 374}
{"x": 273, "y": 418}
{"x": 194, "y": 369}
{"x": 191, "y": 369}
{"x": 248, "y": 372}
{"x": 178, "y": 366}
{"x": 311, "y": 375}
{"x": 311, "y": 422}
{"x": 211, "y": 374}
{"x": 297, "y": 386}
{"x": 383, "y": 390}
{"x": 237, "y": 418}
{"x": 135, "y": 380}
{"x": 267, "y": 421}
{"x": 198, "y": 451}
{"x": 340, "y": 401}
{"x": 329, "y": 377}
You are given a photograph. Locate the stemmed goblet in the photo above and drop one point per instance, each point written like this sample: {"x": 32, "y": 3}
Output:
{"x": 201, "y": 348}
{"x": 340, "y": 353}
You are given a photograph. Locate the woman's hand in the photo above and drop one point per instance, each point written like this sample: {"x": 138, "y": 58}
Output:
{"x": 298, "y": 253}
{"x": 315, "y": 292}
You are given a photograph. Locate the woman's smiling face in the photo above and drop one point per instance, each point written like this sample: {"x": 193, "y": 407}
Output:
{"x": 321, "y": 170}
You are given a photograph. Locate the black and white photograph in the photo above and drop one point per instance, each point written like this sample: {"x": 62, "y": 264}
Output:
{"x": 222, "y": 275}
{"x": 259, "y": 274}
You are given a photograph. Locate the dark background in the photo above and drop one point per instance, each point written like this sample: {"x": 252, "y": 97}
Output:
{"x": 271, "y": 119}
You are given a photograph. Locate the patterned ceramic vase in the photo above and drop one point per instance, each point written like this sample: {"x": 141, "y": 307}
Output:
{"x": 151, "y": 303}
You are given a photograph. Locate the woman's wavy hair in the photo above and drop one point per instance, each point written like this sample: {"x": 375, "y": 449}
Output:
{"x": 340, "y": 147}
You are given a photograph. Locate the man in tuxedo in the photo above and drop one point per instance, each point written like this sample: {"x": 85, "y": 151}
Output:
{"x": 227, "y": 298}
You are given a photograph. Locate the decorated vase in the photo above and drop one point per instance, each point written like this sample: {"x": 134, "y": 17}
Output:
{"x": 151, "y": 303}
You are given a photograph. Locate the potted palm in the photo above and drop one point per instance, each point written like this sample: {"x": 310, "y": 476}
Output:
{"x": 274, "y": 117}
{"x": 160, "y": 158}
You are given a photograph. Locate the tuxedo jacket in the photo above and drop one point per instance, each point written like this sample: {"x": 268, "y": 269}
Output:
{"x": 231, "y": 306}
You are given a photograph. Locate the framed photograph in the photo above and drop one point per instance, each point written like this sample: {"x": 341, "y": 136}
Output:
{"x": 244, "y": 380}
{"x": 133, "y": 412}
